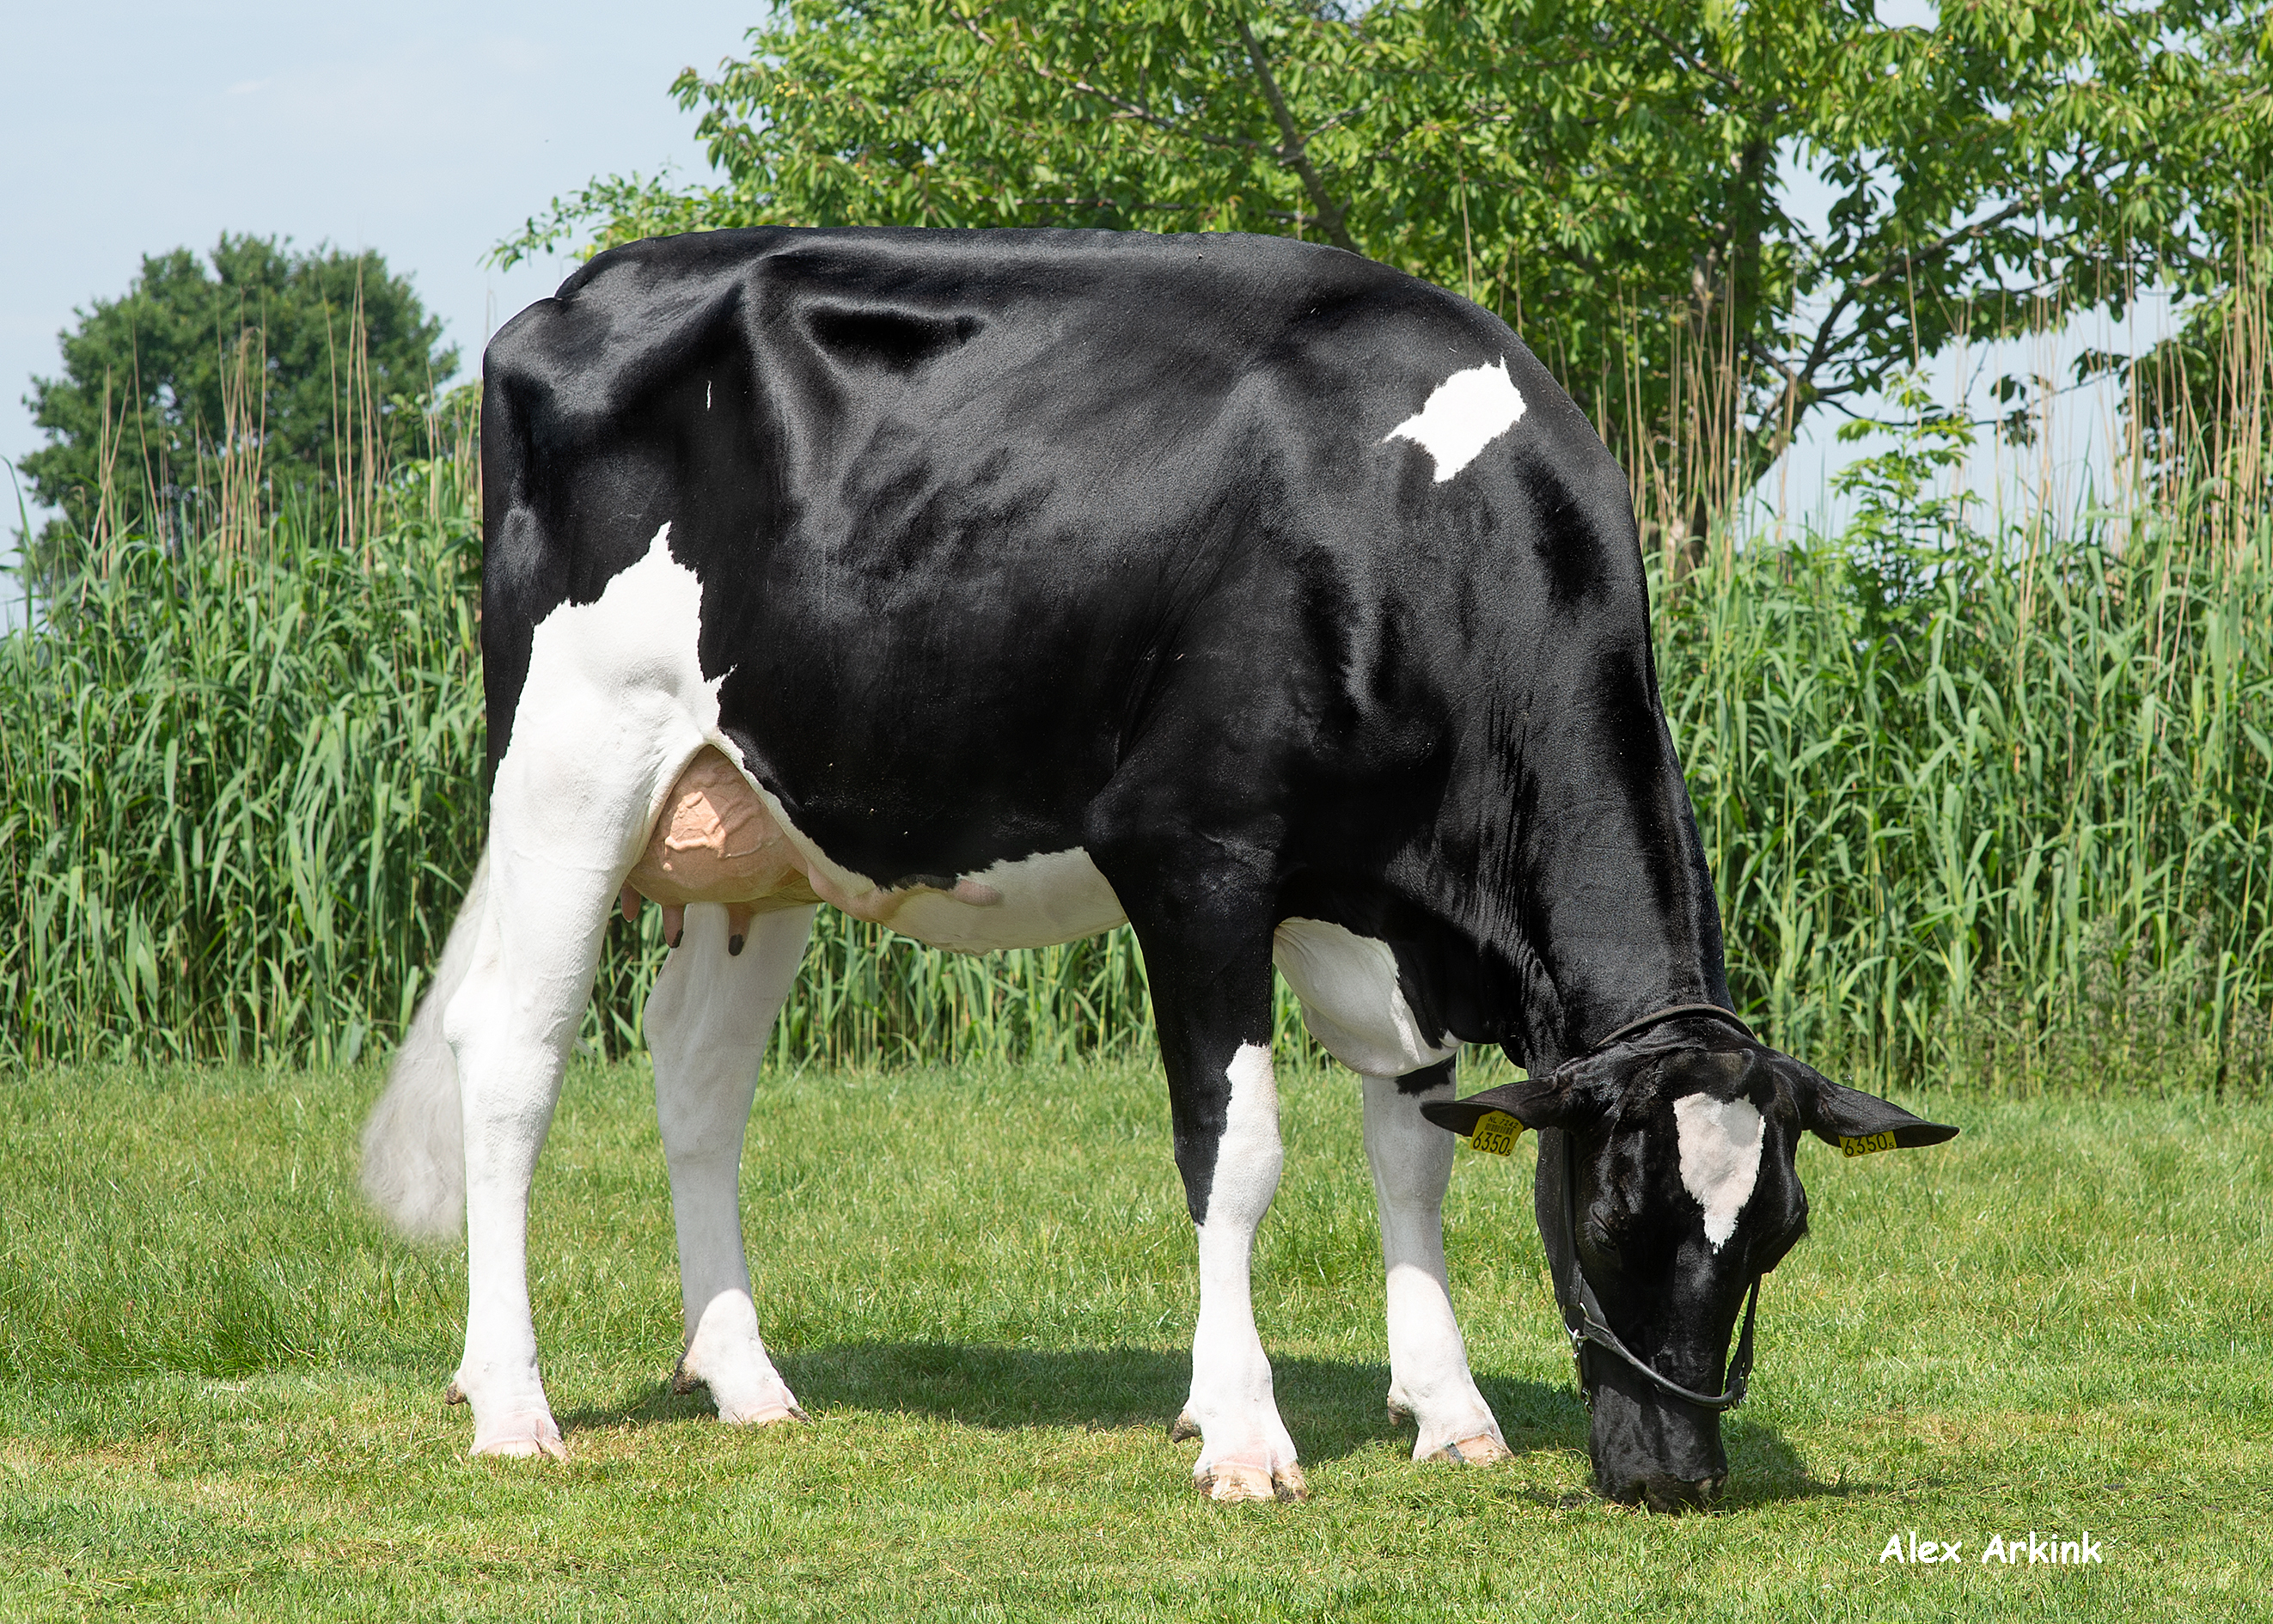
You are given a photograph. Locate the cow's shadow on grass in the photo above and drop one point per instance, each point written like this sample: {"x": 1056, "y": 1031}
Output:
{"x": 1333, "y": 1407}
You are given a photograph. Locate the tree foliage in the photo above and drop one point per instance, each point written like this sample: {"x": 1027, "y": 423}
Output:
{"x": 1618, "y": 178}
{"x": 261, "y": 361}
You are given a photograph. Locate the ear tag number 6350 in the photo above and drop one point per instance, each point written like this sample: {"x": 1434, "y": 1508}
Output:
{"x": 1495, "y": 1134}
{"x": 1866, "y": 1144}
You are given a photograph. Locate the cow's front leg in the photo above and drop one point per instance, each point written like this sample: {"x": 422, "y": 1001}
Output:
{"x": 1429, "y": 1377}
{"x": 1210, "y": 980}
{"x": 1245, "y": 1451}
{"x": 706, "y": 1024}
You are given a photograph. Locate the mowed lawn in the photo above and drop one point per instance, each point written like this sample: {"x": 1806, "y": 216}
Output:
{"x": 220, "y": 1380}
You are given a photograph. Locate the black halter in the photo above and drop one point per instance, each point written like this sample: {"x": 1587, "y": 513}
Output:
{"x": 1582, "y": 1310}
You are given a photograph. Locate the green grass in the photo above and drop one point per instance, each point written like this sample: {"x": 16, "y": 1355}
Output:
{"x": 219, "y": 1381}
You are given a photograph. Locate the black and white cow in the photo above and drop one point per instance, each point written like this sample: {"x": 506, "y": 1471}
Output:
{"x": 1002, "y": 585}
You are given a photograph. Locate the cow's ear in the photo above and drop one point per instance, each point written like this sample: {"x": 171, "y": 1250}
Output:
{"x": 1860, "y": 1123}
{"x": 1535, "y": 1101}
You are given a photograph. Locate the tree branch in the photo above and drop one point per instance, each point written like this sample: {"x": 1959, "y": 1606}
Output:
{"x": 1801, "y": 382}
{"x": 1132, "y": 109}
{"x": 1695, "y": 64}
{"x": 1294, "y": 151}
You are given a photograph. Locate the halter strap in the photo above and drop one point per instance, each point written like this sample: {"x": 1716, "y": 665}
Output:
{"x": 1672, "y": 1012}
{"x": 1582, "y": 1311}
{"x": 1584, "y": 1319}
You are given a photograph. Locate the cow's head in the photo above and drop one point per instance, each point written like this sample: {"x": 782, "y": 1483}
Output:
{"x": 1683, "y": 1191}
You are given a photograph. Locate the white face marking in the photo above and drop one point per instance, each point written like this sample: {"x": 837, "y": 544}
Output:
{"x": 1720, "y": 1158}
{"x": 1351, "y": 1001}
{"x": 1463, "y": 414}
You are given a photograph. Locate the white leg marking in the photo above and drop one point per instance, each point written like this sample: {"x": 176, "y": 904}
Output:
{"x": 511, "y": 1035}
{"x": 613, "y": 706}
{"x": 1428, "y": 1378}
{"x": 1351, "y": 1001}
{"x": 1720, "y": 1158}
{"x": 1245, "y": 1451}
{"x": 1463, "y": 414}
{"x": 707, "y": 1021}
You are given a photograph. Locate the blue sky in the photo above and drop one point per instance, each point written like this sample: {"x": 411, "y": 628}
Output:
{"x": 423, "y": 130}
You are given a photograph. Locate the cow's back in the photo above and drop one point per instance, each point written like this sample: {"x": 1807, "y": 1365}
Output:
{"x": 1007, "y": 538}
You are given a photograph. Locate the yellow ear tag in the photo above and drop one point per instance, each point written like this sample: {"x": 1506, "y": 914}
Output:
{"x": 1865, "y": 1145}
{"x": 1495, "y": 1134}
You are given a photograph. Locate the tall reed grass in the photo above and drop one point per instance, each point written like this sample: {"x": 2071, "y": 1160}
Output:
{"x": 1984, "y": 797}
{"x": 1998, "y": 801}
{"x": 238, "y": 781}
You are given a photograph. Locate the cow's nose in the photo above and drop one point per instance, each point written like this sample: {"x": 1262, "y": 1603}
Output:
{"x": 1670, "y": 1496}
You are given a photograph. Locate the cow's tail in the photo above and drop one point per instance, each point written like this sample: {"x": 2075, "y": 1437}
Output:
{"x": 414, "y": 1146}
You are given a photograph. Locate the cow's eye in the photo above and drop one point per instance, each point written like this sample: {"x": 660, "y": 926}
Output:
{"x": 1771, "y": 1252}
{"x": 1601, "y": 1238}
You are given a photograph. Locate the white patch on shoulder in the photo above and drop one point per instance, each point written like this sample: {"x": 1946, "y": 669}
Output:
{"x": 1720, "y": 1158}
{"x": 1351, "y": 1001}
{"x": 1463, "y": 414}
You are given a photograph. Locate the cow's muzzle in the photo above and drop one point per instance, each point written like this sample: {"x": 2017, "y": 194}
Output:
{"x": 1668, "y": 1496}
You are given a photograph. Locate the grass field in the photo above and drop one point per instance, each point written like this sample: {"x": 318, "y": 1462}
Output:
{"x": 219, "y": 1381}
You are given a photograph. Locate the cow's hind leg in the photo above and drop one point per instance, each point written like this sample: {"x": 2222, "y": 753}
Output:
{"x": 706, "y": 1024}
{"x": 1354, "y": 1004}
{"x": 1210, "y": 969}
{"x": 1429, "y": 1377}
{"x": 567, "y": 815}
{"x": 511, "y": 1025}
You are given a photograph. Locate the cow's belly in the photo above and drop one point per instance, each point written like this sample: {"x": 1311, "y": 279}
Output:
{"x": 719, "y": 839}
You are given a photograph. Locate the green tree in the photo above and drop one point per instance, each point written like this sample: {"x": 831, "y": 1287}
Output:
{"x": 288, "y": 371}
{"x": 1614, "y": 177}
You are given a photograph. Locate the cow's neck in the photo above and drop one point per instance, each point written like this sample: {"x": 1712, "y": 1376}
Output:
{"x": 1620, "y": 918}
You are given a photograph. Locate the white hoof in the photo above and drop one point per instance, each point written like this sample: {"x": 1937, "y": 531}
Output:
{"x": 757, "y": 1399}
{"x": 1228, "y": 1482}
{"x": 516, "y": 1432}
{"x": 1481, "y": 1451}
{"x": 521, "y": 1437}
{"x": 1249, "y": 1466}
{"x": 1246, "y": 1455}
{"x": 767, "y": 1415}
